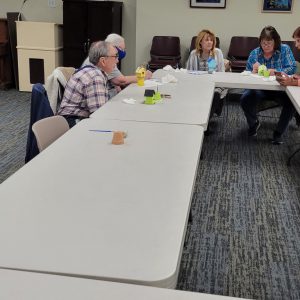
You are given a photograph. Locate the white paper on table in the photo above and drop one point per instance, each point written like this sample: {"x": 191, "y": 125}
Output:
{"x": 198, "y": 72}
{"x": 169, "y": 79}
{"x": 150, "y": 82}
{"x": 246, "y": 73}
{"x": 255, "y": 75}
{"x": 168, "y": 68}
{"x": 271, "y": 78}
{"x": 129, "y": 101}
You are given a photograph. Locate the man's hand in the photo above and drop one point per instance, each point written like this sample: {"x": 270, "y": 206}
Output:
{"x": 148, "y": 74}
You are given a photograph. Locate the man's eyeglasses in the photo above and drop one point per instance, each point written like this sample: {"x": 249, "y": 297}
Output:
{"x": 115, "y": 56}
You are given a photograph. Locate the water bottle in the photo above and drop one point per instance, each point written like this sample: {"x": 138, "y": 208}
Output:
{"x": 211, "y": 63}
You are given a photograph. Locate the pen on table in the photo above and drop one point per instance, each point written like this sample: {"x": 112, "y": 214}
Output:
{"x": 99, "y": 130}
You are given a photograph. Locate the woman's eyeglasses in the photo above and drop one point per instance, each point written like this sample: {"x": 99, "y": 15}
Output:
{"x": 267, "y": 43}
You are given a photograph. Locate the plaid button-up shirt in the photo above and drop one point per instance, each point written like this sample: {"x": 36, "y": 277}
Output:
{"x": 282, "y": 60}
{"x": 85, "y": 92}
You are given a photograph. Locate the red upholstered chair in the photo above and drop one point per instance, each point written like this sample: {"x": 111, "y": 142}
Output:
{"x": 239, "y": 50}
{"x": 165, "y": 50}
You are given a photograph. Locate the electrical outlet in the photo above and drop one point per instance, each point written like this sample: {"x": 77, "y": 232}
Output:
{"x": 52, "y": 3}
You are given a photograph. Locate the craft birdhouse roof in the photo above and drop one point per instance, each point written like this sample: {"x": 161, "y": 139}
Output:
{"x": 149, "y": 93}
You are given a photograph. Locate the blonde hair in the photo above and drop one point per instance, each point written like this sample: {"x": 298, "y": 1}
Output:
{"x": 199, "y": 39}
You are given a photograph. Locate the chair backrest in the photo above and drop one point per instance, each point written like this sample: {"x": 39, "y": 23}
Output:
{"x": 165, "y": 46}
{"x": 193, "y": 43}
{"x": 55, "y": 85}
{"x": 47, "y": 130}
{"x": 39, "y": 109}
{"x": 241, "y": 46}
{"x": 295, "y": 51}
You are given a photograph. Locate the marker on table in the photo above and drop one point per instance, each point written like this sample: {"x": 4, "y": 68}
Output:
{"x": 99, "y": 130}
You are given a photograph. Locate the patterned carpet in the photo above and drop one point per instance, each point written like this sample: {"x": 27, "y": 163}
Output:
{"x": 14, "y": 120}
{"x": 244, "y": 238}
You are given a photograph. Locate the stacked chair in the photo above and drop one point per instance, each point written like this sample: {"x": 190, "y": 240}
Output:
{"x": 165, "y": 50}
{"x": 239, "y": 50}
{"x": 47, "y": 130}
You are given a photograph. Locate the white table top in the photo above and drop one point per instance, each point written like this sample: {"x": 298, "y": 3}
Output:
{"x": 227, "y": 80}
{"x": 238, "y": 80}
{"x": 18, "y": 285}
{"x": 92, "y": 209}
{"x": 190, "y": 104}
{"x": 294, "y": 94}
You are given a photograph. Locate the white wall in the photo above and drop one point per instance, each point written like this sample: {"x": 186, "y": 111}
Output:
{"x": 175, "y": 17}
{"x": 142, "y": 19}
{"x": 128, "y": 32}
{"x": 34, "y": 10}
{"x": 38, "y": 10}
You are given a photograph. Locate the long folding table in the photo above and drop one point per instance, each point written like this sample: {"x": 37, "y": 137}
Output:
{"x": 224, "y": 79}
{"x": 294, "y": 94}
{"x": 87, "y": 208}
{"x": 90, "y": 209}
{"x": 190, "y": 103}
{"x": 20, "y": 285}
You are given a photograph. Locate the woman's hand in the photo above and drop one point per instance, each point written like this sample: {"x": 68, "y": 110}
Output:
{"x": 287, "y": 81}
{"x": 255, "y": 67}
{"x": 272, "y": 72}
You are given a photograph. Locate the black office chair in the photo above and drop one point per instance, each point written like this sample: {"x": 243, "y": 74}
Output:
{"x": 239, "y": 50}
{"x": 165, "y": 50}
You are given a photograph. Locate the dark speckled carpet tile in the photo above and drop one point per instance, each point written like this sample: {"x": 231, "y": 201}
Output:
{"x": 244, "y": 238}
{"x": 14, "y": 120}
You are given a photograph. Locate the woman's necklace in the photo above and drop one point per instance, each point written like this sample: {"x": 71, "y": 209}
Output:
{"x": 205, "y": 55}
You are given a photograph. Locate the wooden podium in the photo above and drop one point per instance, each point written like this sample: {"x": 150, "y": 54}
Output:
{"x": 39, "y": 47}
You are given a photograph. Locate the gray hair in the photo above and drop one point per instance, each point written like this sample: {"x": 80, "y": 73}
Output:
{"x": 115, "y": 39}
{"x": 97, "y": 50}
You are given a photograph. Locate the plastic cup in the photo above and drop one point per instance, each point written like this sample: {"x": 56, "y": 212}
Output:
{"x": 118, "y": 138}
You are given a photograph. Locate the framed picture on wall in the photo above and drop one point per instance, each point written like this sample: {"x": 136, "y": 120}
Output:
{"x": 208, "y": 3}
{"x": 277, "y": 5}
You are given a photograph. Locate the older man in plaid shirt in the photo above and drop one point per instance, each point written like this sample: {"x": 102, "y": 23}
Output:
{"x": 87, "y": 90}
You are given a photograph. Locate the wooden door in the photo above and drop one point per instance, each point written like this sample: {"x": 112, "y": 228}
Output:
{"x": 75, "y": 16}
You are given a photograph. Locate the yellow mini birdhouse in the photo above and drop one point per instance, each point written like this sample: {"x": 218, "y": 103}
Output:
{"x": 140, "y": 74}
